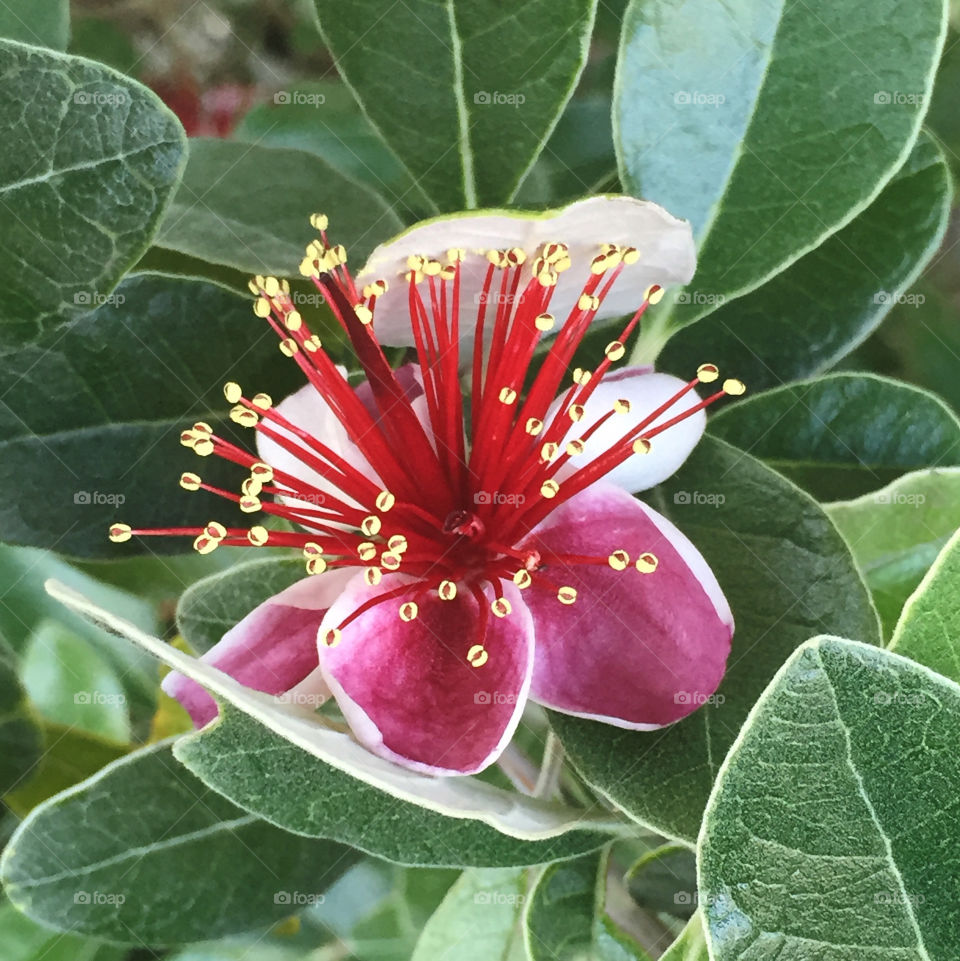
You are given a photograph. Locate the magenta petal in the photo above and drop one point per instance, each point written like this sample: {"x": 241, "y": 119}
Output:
{"x": 408, "y": 691}
{"x": 273, "y": 649}
{"x": 635, "y": 650}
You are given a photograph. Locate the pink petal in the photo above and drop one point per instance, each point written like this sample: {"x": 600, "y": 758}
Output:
{"x": 273, "y": 649}
{"x": 634, "y": 650}
{"x": 646, "y": 391}
{"x": 407, "y": 689}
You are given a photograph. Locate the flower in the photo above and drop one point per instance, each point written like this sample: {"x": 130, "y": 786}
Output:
{"x": 476, "y": 547}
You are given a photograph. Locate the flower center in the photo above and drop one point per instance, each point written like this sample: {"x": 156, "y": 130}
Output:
{"x": 452, "y": 496}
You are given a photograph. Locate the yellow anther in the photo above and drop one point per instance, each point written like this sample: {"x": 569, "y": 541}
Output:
{"x": 495, "y": 257}
{"x": 120, "y": 533}
{"x": 385, "y": 500}
{"x": 547, "y": 277}
{"x": 319, "y": 221}
{"x": 619, "y": 560}
{"x": 416, "y": 262}
{"x": 413, "y": 276}
{"x": 316, "y": 565}
{"x": 575, "y": 412}
{"x": 522, "y": 578}
{"x": 190, "y": 482}
{"x": 364, "y": 314}
{"x": 309, "y": 267}
{"x": 232, "y": 391}
{"x": 250, "y": 504}
{"x": 548, "y": 451}
{"x": 261, "y": 307}
{"x": 588, "y": 302}
{"x": 244, "y": 416}
{"x": 332, "y": 637}
{"x": 258, "y": 535}
{"x": 549, "y": 488}
{"x": 641, "y": 446}
{"x": 261, "y": 471}
{"x": 377, "y": 289}
{"x": 581, "y": 376}
{"x": 285, "y": 286}
{"x": 456, "y": 255}
{"x": 339, "y": 252}
{"x": 367, "y": 551}
{"x": 397, "y": 544}
{"x": 448, "y": 273}
{"x": 205, "y": 545}
{"x": 216, "y": 530}
{"x": 447, "y": 590}
{"x": 598, "y": 265}
{"x": 312, "y": 344}
{"x": 271, "y": 286}
{"x": 734, "y": 387}
{"x": 654, "y": 294}
{"x": 371, "y": 525}
{"x": 515, "y": 256}
{"x": 707, "y": 373}
{"x": 203, "y": 448}
{"x": 251, "y": 487}
{"x": 574, "y": 447}
{"x": 389, "y": 560}
{"x": 507, "y": 395}
{"x": 263, "y": 401}
{"x": 501, "y": 607}
{"x": 647, "y": 563}
{"x": 477, "y": 656}
{"x": 545, "y": 322}
{"x": 409, "y": 610}
{"x": 614, "y": 350}
{"x": 533, "y": 426}
{"x": 253, "y": 287}
{"x": 372, "y": 576}
{"x": 630, "y": 255}
{"x": 621, "y": 406}
{"x": 432, "y": 268}
{"x": 292, "y": 320}
{"x": 553, "y": 251}
{"x": 567, "y": 595}
{"x": 564, "y": 263}
{"x": 288, "y": 347}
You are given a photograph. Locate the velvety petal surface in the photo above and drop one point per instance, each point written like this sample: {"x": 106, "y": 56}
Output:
{"x": 407, "y": 688}
{"x": 665, "y": 244}
{"x": 646, "y": 391}
{"x": 638, "y": 650}
{"x": 273, "y": 649}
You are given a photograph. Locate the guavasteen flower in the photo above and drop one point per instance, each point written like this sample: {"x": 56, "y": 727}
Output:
{"x": 475, "y": 547}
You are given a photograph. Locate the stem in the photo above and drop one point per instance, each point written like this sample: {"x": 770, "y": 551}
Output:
{"x": 551, "y": 767}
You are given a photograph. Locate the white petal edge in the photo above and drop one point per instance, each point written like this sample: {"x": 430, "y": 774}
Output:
{"x": 461, "y": 797}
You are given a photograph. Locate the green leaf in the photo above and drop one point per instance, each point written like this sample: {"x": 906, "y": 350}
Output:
{"x": 896, "y": 533}
{"x": 212, "y": 606}
{"x": 71, "y": 683}
{"x": 786, "y": 573}
{"x": 838, "y": 801}
{"x": 929, "y": 629}
{"x": 566, "y": 919}
{"x": 691, "y": 945}
{"x": 478, "y": 920}
{"x": 20, "y": 742}
{"x": 82, "y": 194}
{"x": 324, "y": 118}
{"x": 821, "y": 307}
{"x": 277, "y": 722}
{"x": 23, "y": 940}
{"x": 248, "y": 207}
{"x": 844, "y": 434}
{"x": 143, "y": 852}
{"x": 665, "y": 880}
{"x": 797, "y": 113}
{"x": 45, "y": 23}
{"x": 487, "y": 88}
{"x": 118, "y": 387}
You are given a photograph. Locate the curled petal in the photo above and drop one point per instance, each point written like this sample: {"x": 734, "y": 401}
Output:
{"x": 273, "y": 649}
{"x": 646, "y": 391}
{"x": 419, "y": 691}
{"x": 637, "y": 650}
{"x": 667, "y": 255}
